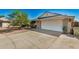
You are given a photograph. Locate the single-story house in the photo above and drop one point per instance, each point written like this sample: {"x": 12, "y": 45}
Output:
{"x": 76, "y": 24}
{"x": 55, "y": 22}
{"x": 4, "y": 22}
{"x": 33, "y": 24}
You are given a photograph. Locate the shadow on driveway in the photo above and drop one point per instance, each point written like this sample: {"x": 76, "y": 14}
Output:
{"x": 49, "y": 32}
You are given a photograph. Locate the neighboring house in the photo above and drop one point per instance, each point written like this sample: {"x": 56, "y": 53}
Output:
{"x": 55, "y": 22}
{"x": 33, "y": 24}
{"x": 76, "y": 24}
{"x": 4, "y": 22}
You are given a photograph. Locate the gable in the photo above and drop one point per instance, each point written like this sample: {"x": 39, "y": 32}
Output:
{"x": 54, "y": 16}
{"x": 48, "y": 14}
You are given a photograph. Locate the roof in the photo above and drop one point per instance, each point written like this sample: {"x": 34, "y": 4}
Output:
{"x": 3, "y": 19}
{"x": 50, "y": 14}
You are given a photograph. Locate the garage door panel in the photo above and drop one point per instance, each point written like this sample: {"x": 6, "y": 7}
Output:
{"x": 55, "y": 25}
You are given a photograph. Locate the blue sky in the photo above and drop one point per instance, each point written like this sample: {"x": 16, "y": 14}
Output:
{"x": 34, "y": 13}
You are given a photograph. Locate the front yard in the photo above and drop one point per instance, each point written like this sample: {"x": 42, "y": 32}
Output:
{"x": 27, "y": 39}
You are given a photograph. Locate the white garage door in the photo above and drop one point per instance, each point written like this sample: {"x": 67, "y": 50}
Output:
{"x": 54, "y": 25}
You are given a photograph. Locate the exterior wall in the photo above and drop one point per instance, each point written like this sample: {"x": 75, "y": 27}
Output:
{"x": 65, "y": 25}
{"x": 38, "y": 23}
{"x": 68, "y": 23}
{"x": 5, "y": 24}
{"x": 52, "y": 24}
{"x": 69, "y": 26}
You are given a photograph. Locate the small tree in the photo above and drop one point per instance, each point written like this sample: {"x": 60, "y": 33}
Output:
{"x": 20, "y": 19}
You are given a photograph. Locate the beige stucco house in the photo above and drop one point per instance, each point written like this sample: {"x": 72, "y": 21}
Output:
{"x": 55, "y": 22}
{"x": 4, "y": 22}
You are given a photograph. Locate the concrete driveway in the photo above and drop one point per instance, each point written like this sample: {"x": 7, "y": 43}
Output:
{"x": 35, "y": 40}
{"x": 26, "y": 39}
